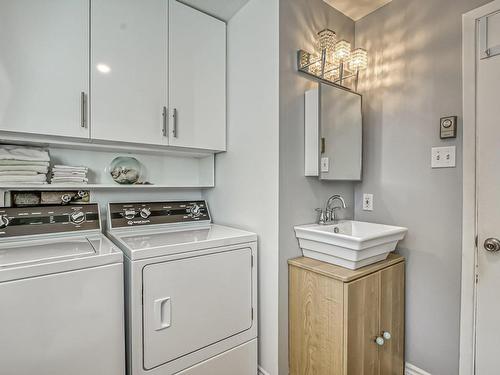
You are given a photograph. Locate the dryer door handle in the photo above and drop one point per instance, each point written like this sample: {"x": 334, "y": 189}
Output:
{"x": 162, "y": 313}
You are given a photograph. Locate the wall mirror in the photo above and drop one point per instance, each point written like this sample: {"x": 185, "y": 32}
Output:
{"x": 333, "y": 133}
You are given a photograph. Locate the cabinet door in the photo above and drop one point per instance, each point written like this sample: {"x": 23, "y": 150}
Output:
{"x": 392, "y": 304}
{"x": 362, "y": 314}
{"x": 129, "y": 70}
{"x": 44, "y": 48}
{"x": 316, "y": 317}
{"x": 197, "y": 79}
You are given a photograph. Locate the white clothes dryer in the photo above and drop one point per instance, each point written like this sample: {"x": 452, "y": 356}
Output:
{"x": 191, "y": 290}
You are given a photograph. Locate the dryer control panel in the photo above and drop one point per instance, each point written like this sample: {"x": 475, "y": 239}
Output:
{"x": 26, "y": 221}
{"x": 149, "y": 213}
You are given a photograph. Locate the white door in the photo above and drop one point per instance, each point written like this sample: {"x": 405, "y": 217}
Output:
{"x": 488, "y": 191}
{"x": 44, "y": 59}
{"x": 129, "y": 70}
{"x": 192, "y": 303}
{"x": 197, "y": 79}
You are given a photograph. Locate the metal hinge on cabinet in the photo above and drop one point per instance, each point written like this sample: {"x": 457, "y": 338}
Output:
{"x": 476, "y": 241}
{"x": 477, "y": 278}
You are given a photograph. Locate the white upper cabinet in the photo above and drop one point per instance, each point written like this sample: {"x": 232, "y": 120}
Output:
{"x": 44, "y": 58}
{"x": 129, "y": 71}
{"x": 197, "y": 79}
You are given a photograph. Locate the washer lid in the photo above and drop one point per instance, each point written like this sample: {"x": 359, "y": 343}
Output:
{"x": 20, "y": 254}
{"x": 37, "y": 257}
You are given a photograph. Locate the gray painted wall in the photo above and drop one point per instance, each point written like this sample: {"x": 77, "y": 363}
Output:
{"x": 246, "y": 193}
{"x": 414, "y": 78}
{"x": 300, "y": 20}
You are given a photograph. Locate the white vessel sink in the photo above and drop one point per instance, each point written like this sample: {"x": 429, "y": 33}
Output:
{"x": 350, "y": 244}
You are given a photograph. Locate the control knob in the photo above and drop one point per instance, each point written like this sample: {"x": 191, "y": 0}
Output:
{"x": 77, "y": 217}
{"x": 195, "y": 210}
{"x": 129, "y": 214}
{"x": 145, "y": 213}
{"x": 4, "y": 221}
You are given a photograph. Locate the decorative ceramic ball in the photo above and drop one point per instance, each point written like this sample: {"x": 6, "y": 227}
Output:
{"x": 125, "y": 170}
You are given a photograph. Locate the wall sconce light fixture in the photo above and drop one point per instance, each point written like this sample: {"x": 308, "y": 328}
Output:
{"x": 333, "y": 61}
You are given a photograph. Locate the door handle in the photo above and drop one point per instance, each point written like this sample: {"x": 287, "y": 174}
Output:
{"x": 492, "y": 245}
{"x": 162, "y": 309}
{"x": 174, "y": 129}
{"x": 83, "y": 108}
{"x": 165, "y": 119}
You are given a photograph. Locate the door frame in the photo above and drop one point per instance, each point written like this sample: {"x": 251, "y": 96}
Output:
{"x": 469, "y": 203}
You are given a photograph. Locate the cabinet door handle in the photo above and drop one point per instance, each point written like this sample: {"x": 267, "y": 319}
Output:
{"x": 174, "y": 130}
{"x": 386, "y": 335}
{"x": 83, "y": 108}
{"x": 380, "y": 341}
{"x": 165, "y": 121}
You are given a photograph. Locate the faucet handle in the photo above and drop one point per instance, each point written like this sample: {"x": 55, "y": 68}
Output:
{"x": 322, "y": 217}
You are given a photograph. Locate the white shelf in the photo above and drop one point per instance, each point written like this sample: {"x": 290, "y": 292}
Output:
{"x": 96, "y": 187}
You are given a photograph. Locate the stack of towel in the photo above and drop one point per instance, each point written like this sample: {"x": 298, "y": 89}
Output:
{"x": 65, "y": 174}
{"x": 23, "y": 165}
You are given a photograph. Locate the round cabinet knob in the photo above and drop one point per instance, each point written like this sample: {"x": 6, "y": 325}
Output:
{"x": 145, "y": 213}
{"x": 129, "y": 214}
{"x": 380, "y": 341}
{"x": 492, "y": 245}
{"x": 4, "y": 221}
{"x": 195, "y": 210}
{"x": 386, "y": 335}
{"x": 77, "y": 217}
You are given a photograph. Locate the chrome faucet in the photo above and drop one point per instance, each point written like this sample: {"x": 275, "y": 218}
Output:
{"x": 329, "y": 214}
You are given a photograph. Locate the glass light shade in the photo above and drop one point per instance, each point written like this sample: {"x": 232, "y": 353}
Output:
{"x": 342, "y": 50}
{"x": 326, "y": 40}
{"x": 359, "y": 59}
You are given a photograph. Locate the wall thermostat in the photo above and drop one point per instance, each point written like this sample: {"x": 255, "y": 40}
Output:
{"x": 448, "y": 128}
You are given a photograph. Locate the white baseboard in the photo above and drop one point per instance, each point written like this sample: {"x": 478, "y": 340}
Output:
{"x": 414, "y": 370}
{"x": 262, "y": 371}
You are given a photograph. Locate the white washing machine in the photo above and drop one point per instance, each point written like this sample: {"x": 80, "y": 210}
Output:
{"x": 61, "y": 293}
{"x": 190, "y": 290}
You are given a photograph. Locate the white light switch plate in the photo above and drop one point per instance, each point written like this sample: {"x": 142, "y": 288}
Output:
{"x": 443, "y": 157}
{"x": 325, "y": 164}
{"x": 367, "y": 202}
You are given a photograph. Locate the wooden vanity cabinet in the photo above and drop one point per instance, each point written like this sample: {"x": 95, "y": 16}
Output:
{"x": 337, "y": 314}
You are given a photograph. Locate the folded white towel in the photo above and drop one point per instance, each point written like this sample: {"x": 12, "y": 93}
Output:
{"x": 13, "y": 152}
{"x": 33, "y": 168}
{"x": 69, "y": 174}
{"x": 70, "y": 168}
{"x": 24, "y": 162}
{"x": 68, "y": 179}
{"x": 18, "y": 173}
{"x": 35, "y": 178}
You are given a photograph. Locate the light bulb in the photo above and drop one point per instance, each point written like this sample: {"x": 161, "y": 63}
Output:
{"x": 342, "y": 50}
{"x": 359, "y": 59}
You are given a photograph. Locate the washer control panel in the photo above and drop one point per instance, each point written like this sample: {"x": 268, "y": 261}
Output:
{"x": 150, "y": 213}
{"x": 24, "y": 221}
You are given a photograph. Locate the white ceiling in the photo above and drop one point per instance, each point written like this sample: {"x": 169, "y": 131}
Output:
{"x": 356, "y": 9}
{"x": 222, "y": 9}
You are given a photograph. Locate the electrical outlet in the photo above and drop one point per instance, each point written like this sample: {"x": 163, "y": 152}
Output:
{"x": 367, "y": 202}
{"x": 325, "y": 165}
{"x": 443, "y": 157}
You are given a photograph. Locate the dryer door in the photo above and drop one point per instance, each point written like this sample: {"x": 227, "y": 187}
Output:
{"x": 192, "y": 303}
